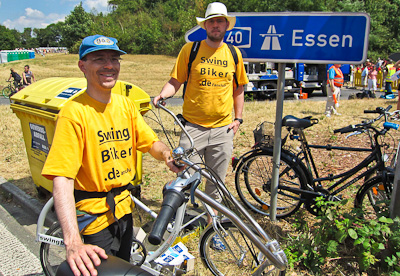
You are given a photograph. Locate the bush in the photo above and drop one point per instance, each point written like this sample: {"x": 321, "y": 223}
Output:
{"x": 345, "y": 238}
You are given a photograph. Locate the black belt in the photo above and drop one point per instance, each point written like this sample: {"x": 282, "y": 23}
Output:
{"x": 110, "y": 195}
{"x": 110, "y": 199}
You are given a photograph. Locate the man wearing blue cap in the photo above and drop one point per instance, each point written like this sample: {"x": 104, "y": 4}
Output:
{"x": 92, "y": 160}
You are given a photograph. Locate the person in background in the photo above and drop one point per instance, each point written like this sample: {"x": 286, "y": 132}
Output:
{"x": 388, "y": 71}
{"x": 211, "y": 93}
{"x": 372, "y": 74}
{"x": 92, "y": 161}
{"x": 335, "y": 82}
{"x": 364, "y": 77}
{"x": 16, "y": 78}
{"x": 397, "y": 66}
{"x": 27, "y": 75}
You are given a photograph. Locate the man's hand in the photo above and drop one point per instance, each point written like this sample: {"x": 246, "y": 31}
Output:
{"x": 171, "y": 163}
{"x": 235, "y": 126}
{"x": 156, "y": 99}
{"x": 83, "y": 258}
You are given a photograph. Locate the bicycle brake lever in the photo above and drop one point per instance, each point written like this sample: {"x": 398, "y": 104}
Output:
{"x": 354, "y": 133}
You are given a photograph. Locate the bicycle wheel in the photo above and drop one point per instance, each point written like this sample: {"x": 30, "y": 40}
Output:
{"x": 373, "y": 198}
{"x": 253, "y": 179}
{"x": 6, "y": 92}
{"x": 51, "y": 256}
{"x": 243, "y": 259}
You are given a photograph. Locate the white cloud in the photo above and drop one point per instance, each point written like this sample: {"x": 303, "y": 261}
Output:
{"x": 33, "y": 19}
{"x": 99, "y": 5}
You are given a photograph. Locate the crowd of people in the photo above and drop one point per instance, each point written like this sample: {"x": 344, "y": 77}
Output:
{"x": 369, "y": 72}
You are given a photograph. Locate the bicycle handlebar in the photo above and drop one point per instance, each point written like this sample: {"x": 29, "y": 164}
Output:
{"x": 172, "y": 201}
{"x": 367, "y": 124}
{"x": 161, "y": 104}
{"x": 347, "y": 129}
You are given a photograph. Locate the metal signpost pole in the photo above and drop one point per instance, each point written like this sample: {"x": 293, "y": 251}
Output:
{"x": 395, "y": 198}
{"x": 277, "y": 139}
{"x": 295, "y": 37}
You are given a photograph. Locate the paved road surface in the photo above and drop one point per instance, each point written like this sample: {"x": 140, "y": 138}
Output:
{"x": 316, "y": 96}
{"x": 19, "y": 253}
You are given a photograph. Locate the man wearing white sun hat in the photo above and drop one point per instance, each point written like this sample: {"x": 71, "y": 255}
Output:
{"x": 213, "y": 85}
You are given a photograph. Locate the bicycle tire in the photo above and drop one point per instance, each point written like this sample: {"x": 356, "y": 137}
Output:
{"x": 51, "y": 256}
{"x": 222, "y": 263}
{"x": 253, "y": 181}
{"x": 6, "y": 92}
{"x": 373, "y": 198}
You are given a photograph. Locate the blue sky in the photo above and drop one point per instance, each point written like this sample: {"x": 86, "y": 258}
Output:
{"x": 40, "y": 13}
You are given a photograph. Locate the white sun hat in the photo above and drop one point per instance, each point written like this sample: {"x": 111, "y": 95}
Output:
{"x": 217, "y": 9}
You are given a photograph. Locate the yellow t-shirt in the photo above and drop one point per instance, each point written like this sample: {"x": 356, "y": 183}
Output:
{"x": 95, "y": 144}
{"x": 209, "y": 93}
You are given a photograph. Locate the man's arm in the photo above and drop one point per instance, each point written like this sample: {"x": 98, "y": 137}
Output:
{"x": 161, "y": 152}
{"x": 238, "y": 103}
{"x": 24, "y": 77}
{"x": 397, "y": 64}
{"x": 82, "y": 258}
{"x": 169, "y": 90}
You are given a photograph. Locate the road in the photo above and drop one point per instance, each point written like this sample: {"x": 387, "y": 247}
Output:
{"x": 316, "y": 96}
{"x": 19, "y": 253}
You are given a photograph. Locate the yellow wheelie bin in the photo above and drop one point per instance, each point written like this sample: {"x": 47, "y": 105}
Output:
{"x": 37, "y": 107}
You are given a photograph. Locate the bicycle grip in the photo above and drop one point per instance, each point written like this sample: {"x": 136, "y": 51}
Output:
{"x": 171, "y": 202}
{"x": 371, "y": 111}
{"x": 345, "y": 129}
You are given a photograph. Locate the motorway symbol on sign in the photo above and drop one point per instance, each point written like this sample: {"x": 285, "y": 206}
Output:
{"x": 298, "y": 37}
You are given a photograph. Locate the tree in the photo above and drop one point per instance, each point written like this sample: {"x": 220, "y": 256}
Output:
{"x": 27, "y": 41}
{"x": 8, "y": 38}
{"x": 76, "y": 27}
{"x": 50, "y": 36}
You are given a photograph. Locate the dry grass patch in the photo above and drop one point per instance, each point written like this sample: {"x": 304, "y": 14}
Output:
{"x": 150, "y": 73}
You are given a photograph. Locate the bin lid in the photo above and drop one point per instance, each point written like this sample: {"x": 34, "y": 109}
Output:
{"x": 52, "y": 94}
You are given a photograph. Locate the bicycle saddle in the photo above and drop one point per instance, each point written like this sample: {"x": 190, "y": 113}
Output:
{"x": 292, "y": 121}
{"x": 113, "y": 266}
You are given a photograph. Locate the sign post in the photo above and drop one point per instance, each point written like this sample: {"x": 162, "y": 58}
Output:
{"x": 295, "y": 37}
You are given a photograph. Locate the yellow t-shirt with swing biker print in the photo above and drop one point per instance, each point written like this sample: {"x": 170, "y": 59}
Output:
{"x": 209, "y": 93}
{"x": 101, "y": 153}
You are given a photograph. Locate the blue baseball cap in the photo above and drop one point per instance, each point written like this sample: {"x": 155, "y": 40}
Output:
{"x": 97, "y": 43}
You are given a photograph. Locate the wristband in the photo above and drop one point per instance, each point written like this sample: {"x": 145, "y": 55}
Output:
{"x": 239, "y": 120}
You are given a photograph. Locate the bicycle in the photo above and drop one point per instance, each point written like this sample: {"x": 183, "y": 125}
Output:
{"x": 246, "y": 248}
{"x": 299, "y": 180}
{"x": 10, "y": 89}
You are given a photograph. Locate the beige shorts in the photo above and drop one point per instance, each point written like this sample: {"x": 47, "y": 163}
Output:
{"x": 215, "y": 147}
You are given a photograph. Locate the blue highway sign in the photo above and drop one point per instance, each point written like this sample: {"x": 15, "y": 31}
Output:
{"x": 298, "y": 37}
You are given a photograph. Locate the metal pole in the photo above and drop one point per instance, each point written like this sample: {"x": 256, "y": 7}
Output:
{"x": 277, "y": 139}
{"x": 395, "y": 198}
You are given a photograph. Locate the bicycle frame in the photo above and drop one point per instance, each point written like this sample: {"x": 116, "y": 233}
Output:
{"x": 337, "y": 187}
{"x": 267, "y": 246}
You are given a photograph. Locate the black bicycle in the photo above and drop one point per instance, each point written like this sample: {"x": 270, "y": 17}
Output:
{"x": 299, "y": 180}
{"x": 10, "y": 89}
